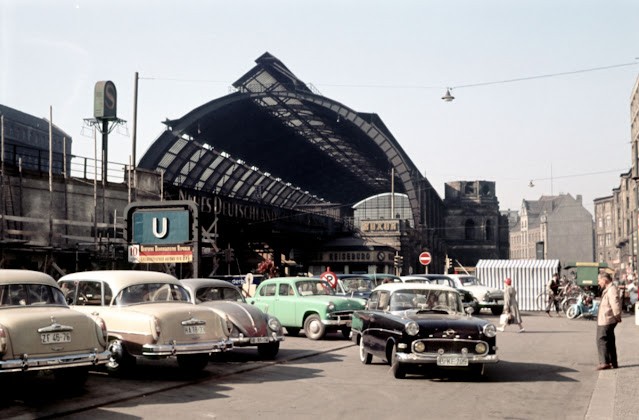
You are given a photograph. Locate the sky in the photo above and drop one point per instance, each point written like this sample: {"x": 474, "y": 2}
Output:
{"x": 528, "y": 104}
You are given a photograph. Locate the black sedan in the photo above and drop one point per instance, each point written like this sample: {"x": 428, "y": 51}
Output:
{"x": 416, "y": 325}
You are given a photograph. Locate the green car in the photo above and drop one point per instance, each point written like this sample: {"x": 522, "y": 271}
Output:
{"x": 308, "y": 303}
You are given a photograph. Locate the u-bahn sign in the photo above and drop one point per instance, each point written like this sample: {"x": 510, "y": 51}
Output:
{"x": 163, "y": 232}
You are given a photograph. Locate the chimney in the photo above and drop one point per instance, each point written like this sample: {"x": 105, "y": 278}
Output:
{"x": 579, "y": 198}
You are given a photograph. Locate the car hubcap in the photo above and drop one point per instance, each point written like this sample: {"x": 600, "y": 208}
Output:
{"x": 314, "y": 327}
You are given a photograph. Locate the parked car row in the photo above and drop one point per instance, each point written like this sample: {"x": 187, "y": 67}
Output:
{"x": 111, "y": 318}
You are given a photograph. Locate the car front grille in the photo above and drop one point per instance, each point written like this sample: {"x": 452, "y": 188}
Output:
{"x": 340, "y": 315}
{"x": 450, "y": 346}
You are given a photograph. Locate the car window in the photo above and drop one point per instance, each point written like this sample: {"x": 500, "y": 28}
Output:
{"x": 313, "y": 287}
{"x": 268, "y": 290}
{"x": 286, "y": 290}
{"x": 356, "y": 284}
{"x": 89, "y": 293}
{"x": 152, "y": 292}
{"x": 425, "y": 300}
{"x": 470, "y": 281}
{"x": 30, "y": 294}
{"x": 209, "y": 293}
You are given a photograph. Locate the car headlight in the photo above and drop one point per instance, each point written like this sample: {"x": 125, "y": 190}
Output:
{"x": 331, "y": 306}
{"x": 274, "y": 324}
{"x": 412, "y": 328}
{"x": 490, "y": 330}
{"x": 481, "y": 348}
{"x": 419, "y": 347}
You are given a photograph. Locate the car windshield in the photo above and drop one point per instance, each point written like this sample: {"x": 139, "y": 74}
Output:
{"x": 470, "y": 281}
{"x": 313, "y": 288}
{"x": 206, "y": 294}
{"x": 357, "y": 284}
{"x": 152, "y": 292}
{"x": 417, "y": 280}
{"x": 30, "y": 295}
{"x": 382, "y": 279}
{"x": 420, "y": 299}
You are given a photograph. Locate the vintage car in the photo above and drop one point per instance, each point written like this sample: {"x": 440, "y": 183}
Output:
{"x": 148, "y": 314}
{"x": 251, "y": 326}
{"x": 308, "y": 303}
{"x": 38, "y": 330}
{"x": 420, "y": 325}
{"x": 485, "y": 297}
{"x": 354, "y": 285}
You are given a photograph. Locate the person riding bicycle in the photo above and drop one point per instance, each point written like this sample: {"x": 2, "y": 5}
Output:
{"x": 552, "y": 287}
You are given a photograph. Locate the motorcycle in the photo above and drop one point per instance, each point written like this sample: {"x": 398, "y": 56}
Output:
{"x": 585, "y": 307}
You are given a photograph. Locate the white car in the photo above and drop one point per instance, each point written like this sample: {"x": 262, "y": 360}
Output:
{"x": 474, "y": 294}
{"x": 148, "y": 314}
{"x": 487, "y": 297}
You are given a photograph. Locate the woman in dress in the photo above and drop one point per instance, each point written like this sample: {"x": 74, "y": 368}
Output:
{"x": 511, "y": 306}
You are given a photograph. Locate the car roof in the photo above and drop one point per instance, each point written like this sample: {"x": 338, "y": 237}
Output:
{"x": 393, "y": 287}
{"x": 196, "y": 283}
{"x": 119, "y": 279}
{"x": 12, "y": 276}
{"x": 288, "y": 280}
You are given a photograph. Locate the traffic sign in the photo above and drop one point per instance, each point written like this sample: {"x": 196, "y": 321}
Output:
{"x": 425, "y": 258}
{"x": 330, "y": 277}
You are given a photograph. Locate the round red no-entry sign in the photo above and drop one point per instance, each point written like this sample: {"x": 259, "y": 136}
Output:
{"x": 424, "y": 258}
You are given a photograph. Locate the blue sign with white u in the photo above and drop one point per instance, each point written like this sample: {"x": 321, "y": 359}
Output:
{"x": 161, "y": 227}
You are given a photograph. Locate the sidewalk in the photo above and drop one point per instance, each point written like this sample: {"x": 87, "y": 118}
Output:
{"x": 615, "y": 396}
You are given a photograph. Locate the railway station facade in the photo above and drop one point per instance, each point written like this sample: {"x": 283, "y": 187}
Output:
{"x": 277, "y": 171}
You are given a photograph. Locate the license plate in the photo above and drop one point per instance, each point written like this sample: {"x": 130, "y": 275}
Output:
{"x": 55, "y": 337}
{"x": 259, "y": 340}
{"x": 451, "y": 361}
{"x": 193, "y": 329}
{"x": 500, "y": 302}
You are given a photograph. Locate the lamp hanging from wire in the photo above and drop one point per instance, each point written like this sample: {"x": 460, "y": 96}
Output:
{"x": 448, "y": 97}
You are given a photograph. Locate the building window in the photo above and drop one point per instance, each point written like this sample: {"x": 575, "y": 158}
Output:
{"x": 489, "y": 230}
{"x": 608, "y": 239}
{"x": 469, "y": 229}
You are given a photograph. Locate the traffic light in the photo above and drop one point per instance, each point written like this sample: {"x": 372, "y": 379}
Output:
{"x": 398, "y": 260}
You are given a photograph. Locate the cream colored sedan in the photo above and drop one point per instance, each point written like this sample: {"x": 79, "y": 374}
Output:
{"x": 38, "y": 331}
{"x": 148, "y": 314}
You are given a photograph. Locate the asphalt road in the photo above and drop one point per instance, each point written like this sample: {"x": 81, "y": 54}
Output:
{"x": 546, "y": 372}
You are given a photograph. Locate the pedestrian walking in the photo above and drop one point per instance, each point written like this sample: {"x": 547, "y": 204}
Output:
{"x": 552, "y": 288}
{"x": 511, "y": 307}
{"x": 607, "y": 319}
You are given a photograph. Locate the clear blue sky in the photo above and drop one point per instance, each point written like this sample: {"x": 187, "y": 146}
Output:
{"x": 393, "y": 58}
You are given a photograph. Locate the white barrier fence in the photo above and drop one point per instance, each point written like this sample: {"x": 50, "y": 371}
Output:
{"x": 529, "y": 277}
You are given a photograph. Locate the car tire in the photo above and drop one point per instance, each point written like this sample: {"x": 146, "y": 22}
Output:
{"x": 346, "y": 332}
{"x": 314, "y": 328}
{"x": 120, "y": 360}
{"x": 477, "y": 370}
{"x": 572, "y": 312}
{"x": 269, "y": 350}
{"x": 193, "y": 363}
{"x": 398, "y": 371}
{"x": 71, "y": 378}
{"x": 364, "y": 356}
{"x": 293, "y": 332}
{"x": 497, "y": 310}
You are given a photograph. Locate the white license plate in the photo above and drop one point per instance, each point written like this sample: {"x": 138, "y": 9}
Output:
{"x": 55, "y": 337}
{"x": 500, "y": 302}
{"x": 259, "y": 340}
{"x": 451, "y": 361}
{"x": 193, "y": 329}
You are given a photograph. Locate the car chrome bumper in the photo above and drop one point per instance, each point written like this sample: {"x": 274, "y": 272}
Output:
{"x": 174, "y": 349}
{"x": 25, "y": 363}
{"x": 254, "y": 341}
{"x": 424, "y": 358}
